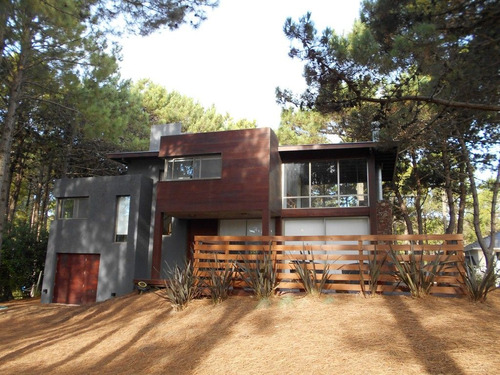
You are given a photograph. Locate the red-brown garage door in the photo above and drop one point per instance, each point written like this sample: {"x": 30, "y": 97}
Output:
{"x": 76, "y": 278}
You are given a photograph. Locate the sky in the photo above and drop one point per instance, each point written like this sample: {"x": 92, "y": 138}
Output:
{"x": 237, "y": 57}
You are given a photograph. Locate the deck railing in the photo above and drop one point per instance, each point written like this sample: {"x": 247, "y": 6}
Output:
{"x": 348, "y": 260}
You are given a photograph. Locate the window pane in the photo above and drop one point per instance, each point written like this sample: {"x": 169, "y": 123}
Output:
{"x": 81, "y": 208}
{"x": 353, "y": 182}
{"x": 122, "y": 218}
{"x": 254, "y": 228}
{"x": 67, "y": 207}
{"x": 296, "y": 179}
{"x": 324, "y": 202}
{"x": 73, "y": 208}
{"x": 182, "y": 169}
{"x": 211, "y": 168}
{"x": 324, "y": 178}
{"x": 353, "y": 178}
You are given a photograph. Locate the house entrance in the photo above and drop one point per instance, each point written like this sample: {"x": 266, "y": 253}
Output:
{"x": 76, "y": 278}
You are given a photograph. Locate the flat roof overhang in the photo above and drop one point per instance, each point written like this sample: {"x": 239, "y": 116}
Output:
{"x": 385, "y": 155}
{"x": 125, "y": 157}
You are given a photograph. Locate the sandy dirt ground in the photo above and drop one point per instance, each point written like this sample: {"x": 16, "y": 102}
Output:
{"x": 337, "y": 334}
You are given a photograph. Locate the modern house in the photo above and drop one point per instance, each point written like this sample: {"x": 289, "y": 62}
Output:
{"x": 110, "y": 231}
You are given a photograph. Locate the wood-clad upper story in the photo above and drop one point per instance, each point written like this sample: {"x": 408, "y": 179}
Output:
{"x": 249, "y": 181}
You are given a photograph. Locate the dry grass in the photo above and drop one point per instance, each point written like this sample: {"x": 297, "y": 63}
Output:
{"x": 347, "y": 334}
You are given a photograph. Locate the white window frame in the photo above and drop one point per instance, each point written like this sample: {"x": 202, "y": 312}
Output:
{"x": 197, "y": 172}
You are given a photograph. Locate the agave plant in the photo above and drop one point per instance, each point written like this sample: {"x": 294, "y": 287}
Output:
{"x": 417, "y": 273}
{"x": 182, "y": 286}
{"x": 220, "y": 281}
{"x": 477, "y": 284}
{"x": 261, "y": 275}
{"x": 312, "y": 279}
{"x": 374, "y": 271}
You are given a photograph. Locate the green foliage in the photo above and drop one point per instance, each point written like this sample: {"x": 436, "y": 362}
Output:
{"x": 312, "y": 279}
{"x": 260, "y": 274}
{"x": 416, "y": 274}
{"x": 164, "y": 107}
{"x": 145, "y": 18}
{"x": 485, "y": 194}
{"x": 302, "y": 127}
{"x": 182, "y": 286}
{"x": 427, "y": 72}
{"x": 477, "y": 284}
{"x": 23, "y": 258}
{"x": 61, "y": 89}
{"x": 220, "y": 281}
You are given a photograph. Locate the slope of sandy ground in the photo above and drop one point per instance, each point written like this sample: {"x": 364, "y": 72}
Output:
{"x": 337, "y": 334}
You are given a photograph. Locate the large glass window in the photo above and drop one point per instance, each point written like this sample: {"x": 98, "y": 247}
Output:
{"x": 73, "y": 208}
{"x": 194, "y": 167}
{"x": 122, "y": 218}
{"x": 325, "y": 184}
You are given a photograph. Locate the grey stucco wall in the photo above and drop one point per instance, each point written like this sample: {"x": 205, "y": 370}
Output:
{"x": 174, "y": 247}
{"x": 120, "y": 262}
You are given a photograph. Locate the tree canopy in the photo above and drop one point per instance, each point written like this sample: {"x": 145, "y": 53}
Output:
{"x": 164, "y": 107}
{"x": 63, "y": 103}
{"x": 427, "y": 74}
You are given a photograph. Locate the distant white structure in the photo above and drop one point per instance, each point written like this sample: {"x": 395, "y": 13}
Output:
{"x": 475, "y": 257}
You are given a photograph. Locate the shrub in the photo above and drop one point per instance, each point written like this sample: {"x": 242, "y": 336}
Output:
{"x": 478, "y": 284}
{"x": 22, "y": 259}
{"x": 220, "y": 280}
{"x": 306, "y": 269}
{"x": 260, "y": 275}
{"x": 416, "y": 273}
{"x": 182, "y": 286}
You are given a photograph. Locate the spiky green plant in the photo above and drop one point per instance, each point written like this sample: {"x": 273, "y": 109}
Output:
{"x": 477, "y": 285}
{"x": 308, "y": 274}
{"x": 220, "y": 280}
{"x": 417, "y": 274}
{"x": 261, "y": 275}
{"x": 374, "y": 271}
{"x": 182, "y": 286}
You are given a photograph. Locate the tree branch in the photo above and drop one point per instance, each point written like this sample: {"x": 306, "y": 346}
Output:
{"x": 441, "y": 102}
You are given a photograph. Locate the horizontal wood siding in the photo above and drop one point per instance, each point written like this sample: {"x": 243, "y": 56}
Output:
{"x": 347, "y": 258}
{"x": 245, "y": 181}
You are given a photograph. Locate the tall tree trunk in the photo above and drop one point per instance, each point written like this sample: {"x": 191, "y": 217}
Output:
{"x": 493, "y": 217}
{"x": 418, "y": 191}
{"x": 6, "y": 143}
{"x": 45, "y": 198}
{"x": 15, "y": 93}
{"x": 35, "y": 207}
{"x": 462, "y": 200}
{"x": 17, "y": 177}
{"x": 4, "y": 14}
{"x": 475, "y": 198}
{"x": 448, "y": 188}
{"x": 403, "y": 208}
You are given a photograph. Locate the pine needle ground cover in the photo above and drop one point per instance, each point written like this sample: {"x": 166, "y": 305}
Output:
{"x": 143, "y": 334}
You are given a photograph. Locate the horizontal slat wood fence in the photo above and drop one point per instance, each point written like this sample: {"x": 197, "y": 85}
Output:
{"x": 346, "y": 259}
